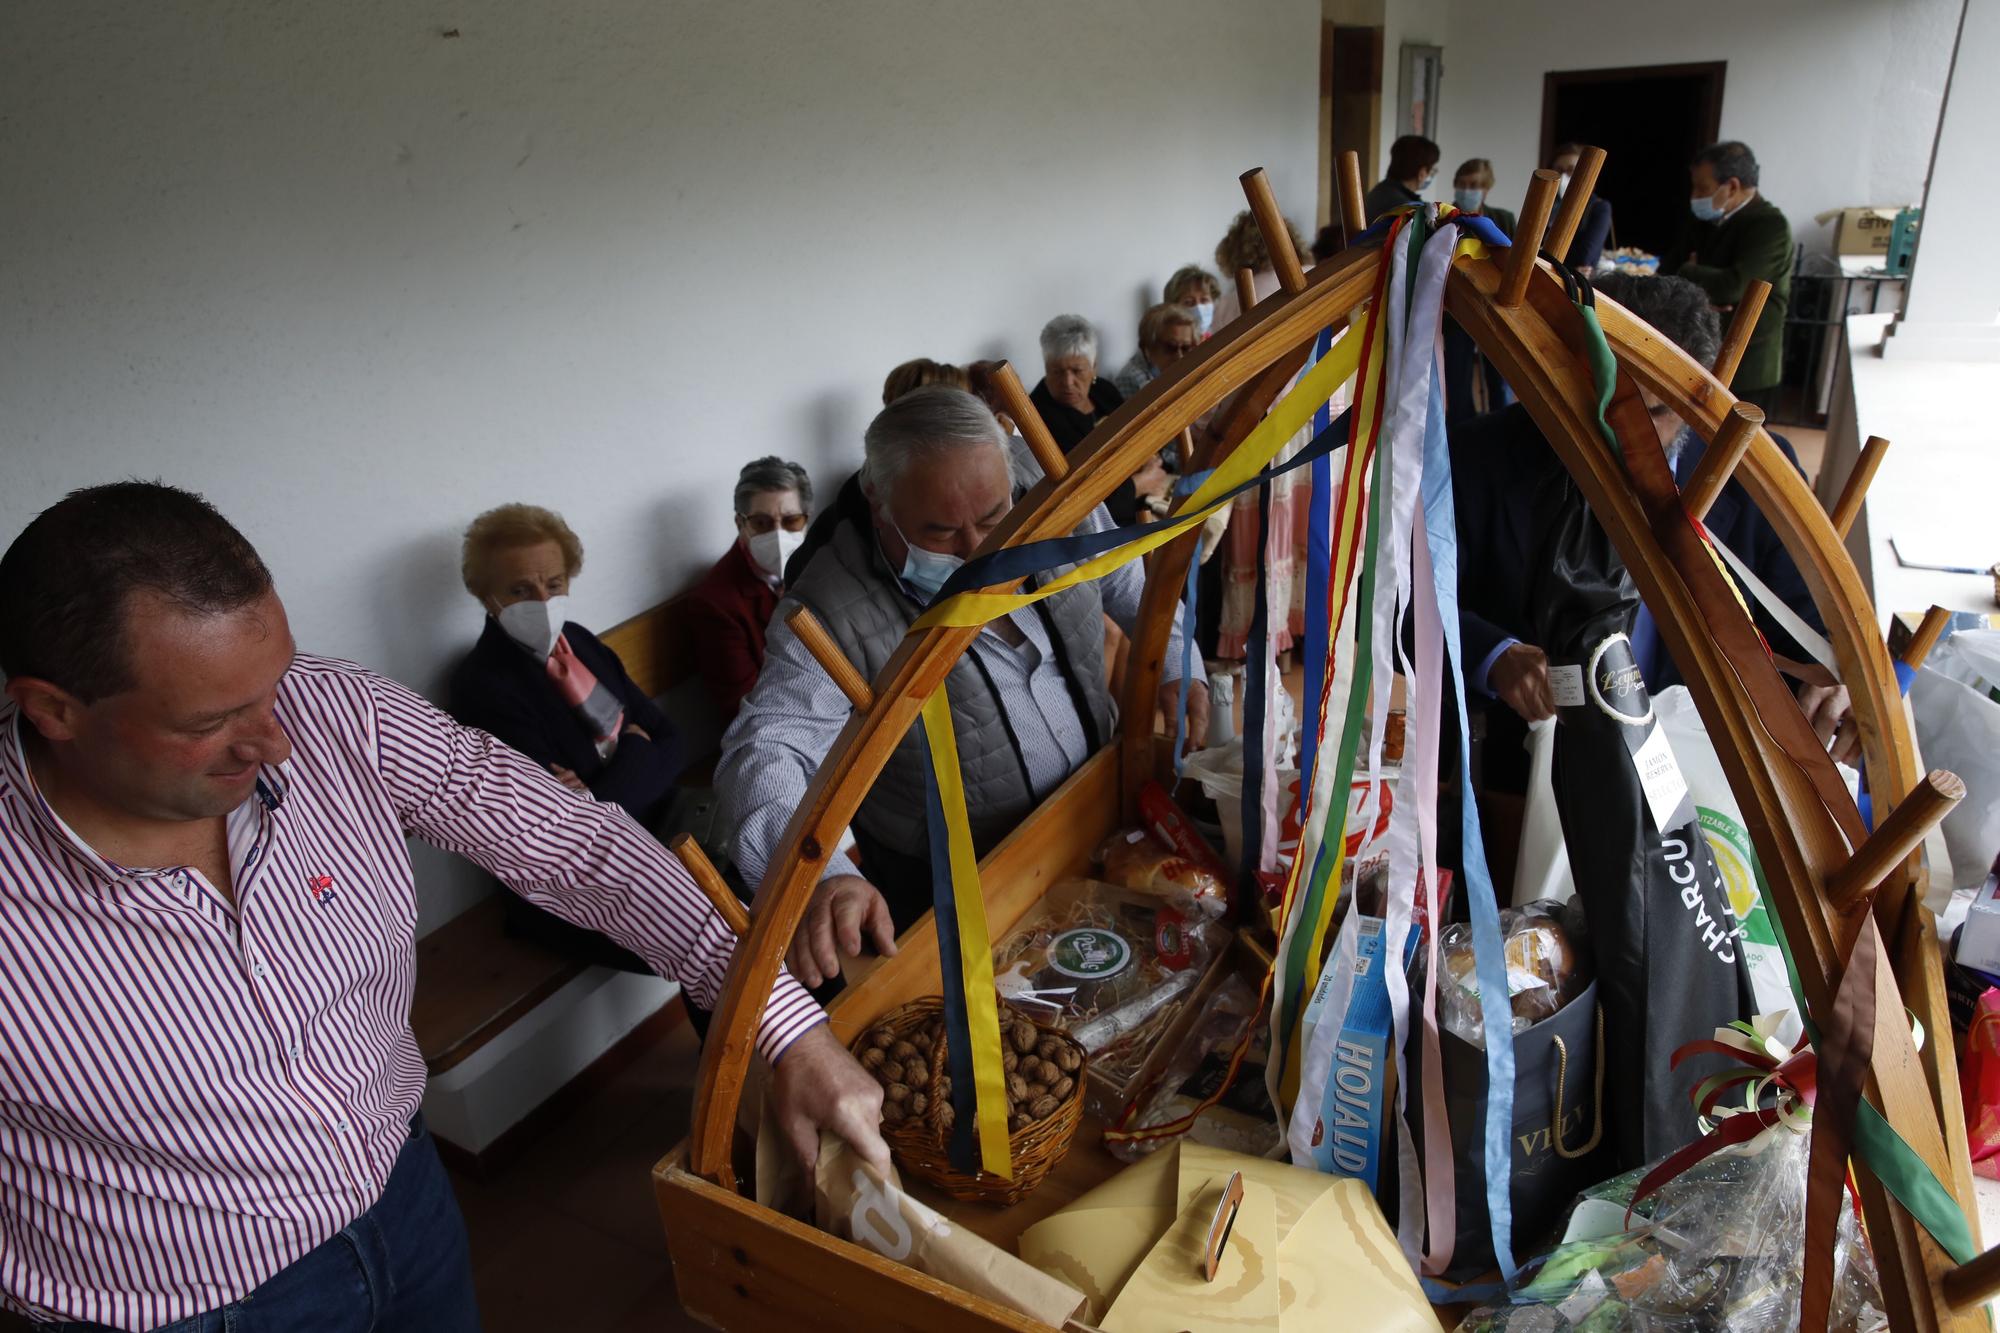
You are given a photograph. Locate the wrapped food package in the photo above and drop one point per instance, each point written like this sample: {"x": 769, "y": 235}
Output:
{"x": 1134, "y": 859}
{"x": 1717, "y": 1249}
{"x": 1243, "y": 1120}
{"x": 1101, "y": 962}
{"x": 1545, "y": 971}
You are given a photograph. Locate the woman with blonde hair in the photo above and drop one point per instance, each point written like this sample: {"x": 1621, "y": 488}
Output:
{"x": 1241, "y": 247}
{"x": 1464, "y": 366}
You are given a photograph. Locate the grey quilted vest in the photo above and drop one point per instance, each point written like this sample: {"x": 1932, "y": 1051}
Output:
{"x": 850, "y": 587}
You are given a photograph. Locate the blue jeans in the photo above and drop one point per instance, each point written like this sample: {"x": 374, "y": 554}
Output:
{"x": 400, "y": 1267}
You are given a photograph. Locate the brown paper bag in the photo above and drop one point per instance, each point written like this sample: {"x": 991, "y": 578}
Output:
{"x": 854, "y": 1202}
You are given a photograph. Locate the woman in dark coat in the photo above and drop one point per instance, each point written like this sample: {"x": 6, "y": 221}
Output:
{"x": 1072, "y": 398}
{"x": 548, "y": 687}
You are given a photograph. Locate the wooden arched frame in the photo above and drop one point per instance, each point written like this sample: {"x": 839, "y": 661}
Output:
{"x": 1516, "y": 310}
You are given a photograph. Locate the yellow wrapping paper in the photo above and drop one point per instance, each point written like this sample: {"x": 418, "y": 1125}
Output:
{"x": 1337, "y": 1262}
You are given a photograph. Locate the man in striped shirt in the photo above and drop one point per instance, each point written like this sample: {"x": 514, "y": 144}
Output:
{"x": 208, "y": 1083}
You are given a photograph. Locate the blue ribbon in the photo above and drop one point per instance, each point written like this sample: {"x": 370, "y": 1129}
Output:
{"x": 1319, "y": 571}
{"x": 1489, "y": 950}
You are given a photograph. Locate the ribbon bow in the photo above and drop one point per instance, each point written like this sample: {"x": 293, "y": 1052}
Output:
{"x": 1763, "y": 1065}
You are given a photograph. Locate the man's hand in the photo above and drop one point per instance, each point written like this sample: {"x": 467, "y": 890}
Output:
{"x": 843, "y": 909}
{"x": 1197, "y": 723}
{"x": 570, "y": 780}
{"x": 1151, "y": 479}
{"x": 1520, "y": 676}
{"x": 1831, "y": 713}
{"x": 634, "y": 729}
{"x": 817, "y": 1085}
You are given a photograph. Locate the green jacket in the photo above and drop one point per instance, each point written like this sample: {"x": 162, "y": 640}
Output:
{"x": 1753, "y": 242}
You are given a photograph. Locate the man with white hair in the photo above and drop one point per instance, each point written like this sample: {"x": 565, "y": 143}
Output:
{"x": 1029, "y": 700}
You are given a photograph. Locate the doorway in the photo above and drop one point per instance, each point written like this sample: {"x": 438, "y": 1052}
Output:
{"x": 1650, "y": 120}
{"x": 1351, "y": 101}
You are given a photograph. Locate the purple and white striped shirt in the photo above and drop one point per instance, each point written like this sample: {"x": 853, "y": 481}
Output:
{"x": 191, "y": 1098}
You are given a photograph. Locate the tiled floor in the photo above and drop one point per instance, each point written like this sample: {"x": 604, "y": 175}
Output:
{"x": 566, "y": 1235}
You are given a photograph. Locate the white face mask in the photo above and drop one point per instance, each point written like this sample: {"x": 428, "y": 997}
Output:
{"x": 1204, "y": 315}
{"x": 1562, "y": 184}
{"x": 926, "y": 571}
{"x": 772, "y": 550}
{"x": 535, "y": 625}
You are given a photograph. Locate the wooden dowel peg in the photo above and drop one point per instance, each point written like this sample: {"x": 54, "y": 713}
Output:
{"x": 1895, "y": 838}
{"x": 1848, "y": 507}
{"x": 1277, "y": 232}
{"x": 713, "y": 887}
{"x": 1033, "y": 429}
{"x": 826, "y": 652}
{"x": 1575, "y": 199}
{"x": 1929, "y": 630}
{"x": 1972, "y": 1282}
{"x": 1184, "y": 451}
{"x": 1246, "y": 289}
{"x": 1527, "y": 239}
{"x": 1719, "y": 460}
{"x": 1742, "y": 323}
{"x": 1353, "y": 216}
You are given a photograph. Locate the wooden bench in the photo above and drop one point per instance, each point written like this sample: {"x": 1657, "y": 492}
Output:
{"x": 474, "y": 980}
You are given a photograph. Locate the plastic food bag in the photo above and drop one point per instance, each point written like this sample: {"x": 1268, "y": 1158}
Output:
{"x": 1134, "y": 859}
{"x": 1243, "y": 1120}
{"x": 1099, "y": 961}
{"x": 1544, "y": 971}
{"x": 1717, "y": 1249}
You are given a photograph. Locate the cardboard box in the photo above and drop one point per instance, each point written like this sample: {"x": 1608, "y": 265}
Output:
{"x": 1862, "y": 231}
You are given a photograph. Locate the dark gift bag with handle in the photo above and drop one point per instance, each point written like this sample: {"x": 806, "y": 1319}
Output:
{"x": 1558, "y": 1131}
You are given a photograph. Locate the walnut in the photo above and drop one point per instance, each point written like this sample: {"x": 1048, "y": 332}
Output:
{"x": 1037, "y": 1091}
{"x": 917, "y": 1073}
{"x": 945, "y": 1115}
{"x": 1023, "y": 1035}
{"x": 918, "y": 1103}
{"x": 1068, "y": 1058}
{"x": 892, "y": 1112}
{"x": 1031, "y": 1067}
{"x": 1009, "y": 1061}
{"x": 1049, "y": 1048}
{"x": 1062, "y": 1087}
{"x": 943, "y": 1088}
{"x": 896, "y": 1092}
{"x": 1017, "y": 1087}
{"x": 1044, "y": 1107}
{"x": 923, "y": 1039}
{"x": 872, "y": 1058}
{"x": 902, "y": 1050}
{"x": 881, "y": 1038}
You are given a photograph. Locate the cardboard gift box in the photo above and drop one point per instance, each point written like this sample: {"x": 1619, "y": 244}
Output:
{"x": 1307, "y": 1250}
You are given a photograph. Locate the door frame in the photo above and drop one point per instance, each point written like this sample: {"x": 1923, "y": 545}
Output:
{"x": 1715, "y": 71}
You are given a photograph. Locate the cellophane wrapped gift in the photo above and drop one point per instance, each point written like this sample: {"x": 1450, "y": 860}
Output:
{"x": 1716, "y": 1249}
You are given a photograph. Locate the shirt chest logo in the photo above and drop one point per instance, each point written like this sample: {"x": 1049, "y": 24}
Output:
{"x": 321, "y": 888}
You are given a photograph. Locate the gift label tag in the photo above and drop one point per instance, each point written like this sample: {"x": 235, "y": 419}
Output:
{"x": 1566, "y": 686}
{"x": 1660, "y": 777}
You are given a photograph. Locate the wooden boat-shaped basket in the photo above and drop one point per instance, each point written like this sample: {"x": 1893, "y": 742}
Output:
{"x": 740, "y": 1266}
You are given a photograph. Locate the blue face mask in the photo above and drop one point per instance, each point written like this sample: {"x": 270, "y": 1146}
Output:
{"x": 925, "y": 571}
{"x": 1204, "y": 315}
{"x": 1468, "y": 201}
{"x": 1705, "y": 208}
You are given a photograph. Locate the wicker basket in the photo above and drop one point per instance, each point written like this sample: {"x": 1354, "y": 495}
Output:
{"x": 920, "y": 1144}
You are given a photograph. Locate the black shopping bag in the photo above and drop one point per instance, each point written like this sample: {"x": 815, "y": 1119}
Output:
{"x": 1555, "y": 1144}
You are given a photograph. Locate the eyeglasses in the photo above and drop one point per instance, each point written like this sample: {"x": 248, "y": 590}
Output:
{"x": 763, "y": 523}
{"x": 1177, "y": 348}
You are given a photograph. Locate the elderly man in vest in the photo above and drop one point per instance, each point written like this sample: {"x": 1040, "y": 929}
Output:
{"x": 1029, "y": 699}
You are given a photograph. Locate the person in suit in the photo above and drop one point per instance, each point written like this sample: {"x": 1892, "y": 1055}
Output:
{"x": 1733, "y": 236}
{"x": 1587, "y": 246}
{"x": 548, "y": 687}
{"x": 1504, "y": 471}
{"x": 729, "y": 610}
{"x": 1413, "y": 165}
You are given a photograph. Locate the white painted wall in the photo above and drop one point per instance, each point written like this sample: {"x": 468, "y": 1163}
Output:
{"x": 1839, "y": 98}
{"x": 357, "y": 281}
